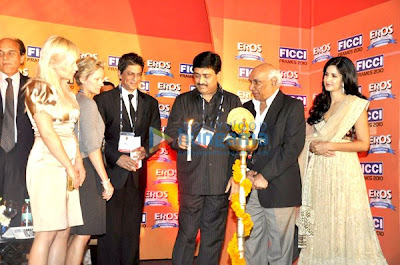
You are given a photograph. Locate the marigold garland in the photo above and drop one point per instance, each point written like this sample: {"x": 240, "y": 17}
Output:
{"x": 246, "y": 219}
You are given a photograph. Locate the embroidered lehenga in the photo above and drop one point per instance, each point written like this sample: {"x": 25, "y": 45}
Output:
{"x": 335, "y": 224}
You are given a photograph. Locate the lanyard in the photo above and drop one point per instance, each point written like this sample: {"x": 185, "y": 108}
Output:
{"x": 219, "y": 110}
{"x": 121, "y": 102}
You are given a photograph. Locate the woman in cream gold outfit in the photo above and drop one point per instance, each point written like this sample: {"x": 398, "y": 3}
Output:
{"x": 53, "y": 111}
{"x": 335, "y": 224}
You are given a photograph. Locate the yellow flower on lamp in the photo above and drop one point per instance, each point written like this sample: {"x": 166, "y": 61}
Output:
{"x": 242, "y": 122}
{"x": 246, "y": 219}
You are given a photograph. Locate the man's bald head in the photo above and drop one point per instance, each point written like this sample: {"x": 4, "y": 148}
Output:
{"x": 265, "y": 79}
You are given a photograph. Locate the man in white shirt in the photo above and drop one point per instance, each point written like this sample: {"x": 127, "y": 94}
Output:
{"x": 16, "y": 134}
{"x": 274, "y": 170}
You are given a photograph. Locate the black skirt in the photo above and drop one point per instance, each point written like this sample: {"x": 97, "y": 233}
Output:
{"x": 93, "y": 206}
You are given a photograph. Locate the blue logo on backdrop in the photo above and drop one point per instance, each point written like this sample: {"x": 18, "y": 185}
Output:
{"x": 244, "y": 72}
{"x": 164, "y": 110}
{"x": 375, "y": 115}
{"x": 156, "y": 198}
{"x": 381, "y": 37}
{"x": 290, "y": 78}
{"x": 372, "y": 168}
{"x": 380, "y": 144}
{"x": 370, "y": 63}
{"x": 144, "y": 86}
{"x": 159, "y": 68}
{"x": 186, "y": 69}
{"x": 113, "y": 61}
{"x": 293, "y": 54}
{"x": 380, "y": 90}
{"x": 168, "y": 90}
{"x": 165, "y": 220}
{"x": 350, "y": 43}
{"x": 250, "y": 51}
{"x": 144, "y": 218}
{"x": 381, "y": 199}
{"x": 378, "y": 223}
{"x": 33, "y": 52}
{"x": 322, "y": 53}
{"x": 166, "y": 176}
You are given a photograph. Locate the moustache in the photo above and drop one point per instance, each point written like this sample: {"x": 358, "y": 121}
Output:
{"x": 198, "y": 84}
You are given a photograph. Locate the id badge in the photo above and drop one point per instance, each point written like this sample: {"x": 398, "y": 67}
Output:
{"x": 126, "y": 142}
{"x": 204, "y": 137}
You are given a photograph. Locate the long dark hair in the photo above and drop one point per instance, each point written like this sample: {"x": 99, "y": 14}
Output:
{"x": 322, "y": 101}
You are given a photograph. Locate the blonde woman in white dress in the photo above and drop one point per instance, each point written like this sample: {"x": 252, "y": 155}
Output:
{"x": 53, "y": 111}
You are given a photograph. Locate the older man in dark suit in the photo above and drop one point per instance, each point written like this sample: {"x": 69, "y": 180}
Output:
{"x": 126, "y": 112}
{"x": 274, "y": 169}
{"x": 16, "y": 132}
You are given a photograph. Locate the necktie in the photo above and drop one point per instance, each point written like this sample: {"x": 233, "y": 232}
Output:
{"x": 8, "y": 129}
{"x": 132, "y": 112}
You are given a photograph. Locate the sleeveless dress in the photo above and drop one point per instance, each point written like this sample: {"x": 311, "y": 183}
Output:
{"x": 335, "y": 224}
{"x": 53, "y": 207}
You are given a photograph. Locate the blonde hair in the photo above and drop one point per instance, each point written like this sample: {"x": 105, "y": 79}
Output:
{"x": 54, "y": 49}
{"x": 86, "y": 67}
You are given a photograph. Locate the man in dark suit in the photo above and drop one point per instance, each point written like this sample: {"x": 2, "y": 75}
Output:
{"x": 202, "y": 200}
{"x": 274, "y": 169}
{"x": 126, "y": 112}
{"x": 16, "y": 132}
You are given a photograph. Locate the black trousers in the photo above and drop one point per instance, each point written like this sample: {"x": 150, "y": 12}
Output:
{"x": 120, "y": 244}
{"x": 207, "y": 213}
{"x": 13, "y": 180}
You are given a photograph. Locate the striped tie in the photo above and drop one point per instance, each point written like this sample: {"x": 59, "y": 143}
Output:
{"x": 8, "y": 129}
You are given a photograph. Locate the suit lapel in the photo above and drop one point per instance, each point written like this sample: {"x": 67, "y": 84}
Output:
{"x": 139, "y": 110}
{"x": 274, "y": 109}
{"x": 126, "y": 124}
{"x": 250, "y": 107}
{"x": 1, "y": 105}
{"x": 21, "y": 95}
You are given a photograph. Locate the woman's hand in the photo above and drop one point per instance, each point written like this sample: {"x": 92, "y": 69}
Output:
{"x": 81, "y": 170}
{"x": 321, "y": 148}
{"x": 74, "y": 174}
{"x": 108, "y": 190}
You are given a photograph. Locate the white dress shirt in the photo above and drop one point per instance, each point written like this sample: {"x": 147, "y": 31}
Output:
{"x": 125, "y": 98}
{"x": 259, "y": 119}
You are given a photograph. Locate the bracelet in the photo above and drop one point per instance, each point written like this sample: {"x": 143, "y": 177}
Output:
{"x": 105, "y": 182}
